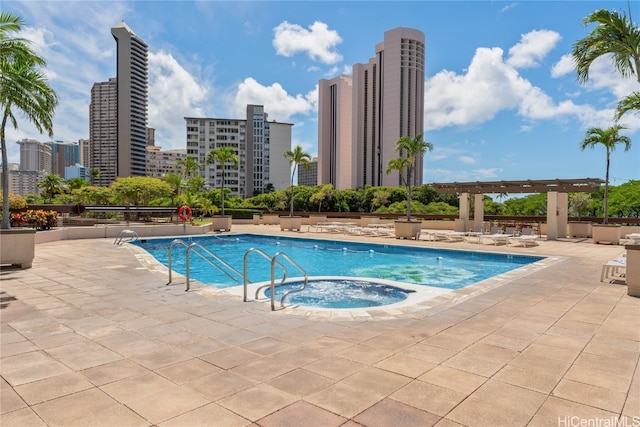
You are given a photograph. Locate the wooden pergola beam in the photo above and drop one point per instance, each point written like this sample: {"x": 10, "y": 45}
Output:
{"x": 584, "y": 185}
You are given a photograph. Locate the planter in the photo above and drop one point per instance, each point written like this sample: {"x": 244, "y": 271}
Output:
{"x": 219, "y": 223}
{"x": 407, "y": 229}
{"x": 365, "y": 221}
{"x": 270, "y": 219}
{"x": 632, "y": 271}
{"x": 317, "y": 219}
{"x": 579, "y": 229}
{"x": 256, "y": 219}
{"x": 17, "y": 247}
{"x": 606, "y": 233}
{"x": 293, "y": 223}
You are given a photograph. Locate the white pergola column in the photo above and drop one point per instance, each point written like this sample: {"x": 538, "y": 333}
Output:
{"x": 461, "y": 224}
{"x": 563, "y": 214}
{"x": 552, "y": 215}
{"x": 478, "y": 212}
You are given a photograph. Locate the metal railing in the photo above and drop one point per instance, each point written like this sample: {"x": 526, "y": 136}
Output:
{"x": 245, "y": 274}
{"x": 126, "y": 236}
{"x": 273, "y": 293}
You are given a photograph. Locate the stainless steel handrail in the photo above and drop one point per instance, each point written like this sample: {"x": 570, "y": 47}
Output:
{"x": 131, "y": 235}
{"x": 245, "y": 275}
{"x": 171, "y": 245}
{"x": 194, "y": 246}
{"x": 273, "y": 264}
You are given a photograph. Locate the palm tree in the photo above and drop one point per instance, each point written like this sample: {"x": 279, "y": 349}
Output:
{"x": 52, "y": 184}
{"x": 189, "y": 165}
{"x": 609, "y": 138}
{"x": 177, "y": 184}
{"x": 23, "y": 87}
{"x": 413, "y": 150}
{"x": 222, "y": 156}
{"x": 94, "y": 173}
{"x": 296, "y": 157}
{"x": 614, "y": 35}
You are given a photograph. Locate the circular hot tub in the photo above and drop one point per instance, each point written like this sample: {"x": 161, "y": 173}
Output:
{"x": 339, "y": 293}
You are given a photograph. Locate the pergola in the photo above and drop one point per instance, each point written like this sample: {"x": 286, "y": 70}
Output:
{"x": 557, "y": 198}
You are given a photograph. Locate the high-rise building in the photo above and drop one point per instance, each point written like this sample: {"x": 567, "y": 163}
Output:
{"x": 63, "y": 154}
{"x": 258, "y": 143}
{"x": 34, "y": 156}
{"x": 336, "y": 151}
{"x": 84, "y": 152}
{"x": 160, "y": 162}
{"x": 387, "y": 103}
{"x": 103, "y": 131}
{"x": 309, "y": 176}
{"x": 132, "y": 82}
{"x": 118, "y": 112}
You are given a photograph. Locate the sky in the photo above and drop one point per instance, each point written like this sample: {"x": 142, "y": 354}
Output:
{"x": 502, "y": 101}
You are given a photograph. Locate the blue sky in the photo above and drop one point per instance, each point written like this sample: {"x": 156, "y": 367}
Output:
{"x": 501, "y": 98}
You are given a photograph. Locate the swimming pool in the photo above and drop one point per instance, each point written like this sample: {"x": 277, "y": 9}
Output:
{"x": 442, "y": 268}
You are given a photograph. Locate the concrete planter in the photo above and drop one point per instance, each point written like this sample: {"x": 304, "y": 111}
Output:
{"x": 407, "y": 229}
{"x": 17, "y": 247}
{"x": 293, "y": 223}
{"x": 317, "y": 219}
{"x": 256, "y": 219}
{"x": 220, "y": 223}
{"x": 579, "y": 229}
{"x": 606, "y": 233}
{"x": 365, "y": 221}
{"x": 270, "y": 219}
{"x": 632, "y": 273}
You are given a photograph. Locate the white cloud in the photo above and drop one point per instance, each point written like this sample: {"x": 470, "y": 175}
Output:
{"x": 564, "y": 66}
{"x": 318, "y": 42}
{"x": 277, "y": 102}
{"x": 533, "y": 47}
{"x": 172, "y": 89}
{"x": 464, "y": 175}
{"x": 466, "y": 160}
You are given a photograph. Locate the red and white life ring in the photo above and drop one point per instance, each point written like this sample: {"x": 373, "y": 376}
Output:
{"x": 184, "y": 213}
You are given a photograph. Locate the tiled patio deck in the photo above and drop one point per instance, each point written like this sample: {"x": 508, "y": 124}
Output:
{"x": 90, "y": 337}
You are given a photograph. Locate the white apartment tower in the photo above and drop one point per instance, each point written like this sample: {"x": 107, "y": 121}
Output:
{"x": 258, "y": 143}
{"x": 336, "y": 151}
{"x": 387, "y": 103}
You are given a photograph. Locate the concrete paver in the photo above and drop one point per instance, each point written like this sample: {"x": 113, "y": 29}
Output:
{"x": 91, "y": 335}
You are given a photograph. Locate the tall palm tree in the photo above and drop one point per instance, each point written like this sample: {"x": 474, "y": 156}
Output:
{"x": 176, "y": 182}
{"x": 296, "y": 157}
{"x": 613, "y": 35}
{"x": 609, "y": 138}
{"x": 94, "y": 173}
{"x": 628, "y": 103}
{"x": 411, "y": 150}
{"x": 23, "y": 87}
{"x": 222, "y": 156}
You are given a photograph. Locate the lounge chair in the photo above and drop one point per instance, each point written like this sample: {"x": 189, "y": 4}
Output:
{"x": 497, "y": 238}
{"x": 449, "y": 236}
{"x": 632, "y": 239}
{"x": 612, "y": 267}
{"x": 524, "y": 240}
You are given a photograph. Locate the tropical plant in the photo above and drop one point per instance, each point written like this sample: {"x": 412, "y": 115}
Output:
{"x": 176, "y": 182}
{"x": 23, "y": 87}
{"x": 296, "y": 157}
{"x": 608, "y": 138}
{"x": 94, "y": 173}
{"x": 411, "y": 151}
{"x": 579, "y": 203}
{"x": 52, "y": 184}
{"x": 76, "y": 183}
{"x": 323, "y": 192}
{"x": 222, "y": 156}
{"x": 613, "y": 35}
{"x": 189, "y": 166}
{"x": 139, "y": 190}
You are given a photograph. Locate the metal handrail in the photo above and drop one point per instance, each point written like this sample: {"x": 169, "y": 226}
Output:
{"x": 245, "y": 275}
{"x": 194, "y": 246}
{"x": 273, "y": 264}
{"x": 171, "y": 245}
{"x": 189, "y": 248}
{"x": 128, "y": 234}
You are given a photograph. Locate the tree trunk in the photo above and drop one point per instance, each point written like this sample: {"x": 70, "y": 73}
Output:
{"x": 606, "y": 191}
{"x": 6, "y": 213}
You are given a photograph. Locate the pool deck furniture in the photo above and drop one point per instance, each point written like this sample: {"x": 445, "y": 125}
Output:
{"x": 524, "y": 241}
{"x": 91, "y": 335}
{"x": 632, "y": 239}
{"x": 613, "y": 267}
{"x": 496, "y": 238}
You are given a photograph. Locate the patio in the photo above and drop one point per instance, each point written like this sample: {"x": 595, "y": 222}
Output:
{"x": 91, "y": 336}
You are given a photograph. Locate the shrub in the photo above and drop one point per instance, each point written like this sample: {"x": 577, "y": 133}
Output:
{"x": 38, "y": 219}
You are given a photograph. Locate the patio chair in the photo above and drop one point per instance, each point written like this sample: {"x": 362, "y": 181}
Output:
{"x": 497, "y": 238}
{"x": 523, "y": 240}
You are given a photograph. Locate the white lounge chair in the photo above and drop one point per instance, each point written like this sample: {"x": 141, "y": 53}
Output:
{"x": 524, "y": 240}
{"x": 632, "y": 239}
{"x": 497, "y": 238}
{"x": 612, "y": 267}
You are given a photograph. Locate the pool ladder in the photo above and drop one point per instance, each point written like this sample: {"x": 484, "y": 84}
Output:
{"x": 234, "y": 274}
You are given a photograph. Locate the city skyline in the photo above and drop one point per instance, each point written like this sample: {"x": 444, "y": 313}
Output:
{"x": 501, "y": 98}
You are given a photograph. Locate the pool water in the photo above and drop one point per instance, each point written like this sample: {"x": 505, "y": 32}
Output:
{"x": 340, "y": 293}
{"x": 443, "y": 268}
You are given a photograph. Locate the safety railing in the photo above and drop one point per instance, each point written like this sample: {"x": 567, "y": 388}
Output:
{"x": 246, "y": 276}
{"x": 228, "y": 270}
{"x": 274, "y": 261}
{"x": 126, "y": 236}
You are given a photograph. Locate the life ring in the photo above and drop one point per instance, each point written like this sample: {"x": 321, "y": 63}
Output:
{"x": 184, "y": 213}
